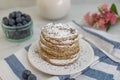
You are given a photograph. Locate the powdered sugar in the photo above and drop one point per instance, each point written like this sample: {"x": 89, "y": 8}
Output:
{"x": 64, "y": 41}
{"x": 59, "y": 30}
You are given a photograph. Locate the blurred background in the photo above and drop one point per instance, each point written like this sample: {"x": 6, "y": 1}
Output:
{"x": 5, "y": 4}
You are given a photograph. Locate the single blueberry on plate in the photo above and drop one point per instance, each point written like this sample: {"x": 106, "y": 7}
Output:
{"x": 32, "y": 77}
{"x": 11, "y": 22}
{"x": 67, "y": 78}
{"x": 72, "y": 79}
{"x": 5, "y": 21}
{"x": 26, "y": 74}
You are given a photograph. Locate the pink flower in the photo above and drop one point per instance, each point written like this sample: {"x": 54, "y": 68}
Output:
{"x": 107, "y": 17}
{"x": 113, "y": 20}
{"x": 88, "y": 19}
{"x": 105, "y": 6}
{"x": 101, "y": 23}
{"x": 111, "y": 17}
{"x": 95, "y": 17}
{"x": 102, "y": 19}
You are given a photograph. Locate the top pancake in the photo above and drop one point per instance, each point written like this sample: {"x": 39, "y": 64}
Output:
{"x": 59, "y": 32}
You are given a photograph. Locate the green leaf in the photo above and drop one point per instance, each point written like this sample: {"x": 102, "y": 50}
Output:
{"x": 118, "y": 18}
{"x": 108, "y": 27}
{"x": 114, "y": 9}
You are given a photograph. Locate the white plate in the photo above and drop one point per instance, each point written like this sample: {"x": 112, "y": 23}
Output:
{"x": 86, "y": 57}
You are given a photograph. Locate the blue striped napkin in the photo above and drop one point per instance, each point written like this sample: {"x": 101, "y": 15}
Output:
{"x": 103, "y": 68}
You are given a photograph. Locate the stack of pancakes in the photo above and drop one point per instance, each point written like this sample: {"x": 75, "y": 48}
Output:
{"x": 59, "y": 44}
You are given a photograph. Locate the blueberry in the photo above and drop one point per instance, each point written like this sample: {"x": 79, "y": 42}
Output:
{"x": 16, "y": 35}
{"x": 22, "y": 36}
{"x": 12, "y": 15}
{"x": 72, "y": 79}
{"x": 67, "y": 78}
{"x": 18, "y": 19}
{"x": 4, "y": 18}
{"x": 19, "y": 24}
{"x": 24, "y": 14}
{"x": 24, "y": 22}
{"x": 5, "y": 21}
{"x": 11, "y": 22}
{"x": 11, "y": 34}
{"x": 18, "y": 14}
{"x": 28, "y": 32}
{"x": 26, "y": 74}
{"x": 23, "y": 18}
{"x": 28, "y": 18}
{"x": 32, "y": 77}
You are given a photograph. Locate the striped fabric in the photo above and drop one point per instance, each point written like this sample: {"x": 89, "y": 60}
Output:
{"x": 103, "y": 68}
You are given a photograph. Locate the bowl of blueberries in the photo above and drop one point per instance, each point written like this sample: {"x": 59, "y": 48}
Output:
{"x": 17, "y": 27}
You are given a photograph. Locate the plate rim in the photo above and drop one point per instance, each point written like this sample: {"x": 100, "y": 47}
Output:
{"x": 74, "y": 72}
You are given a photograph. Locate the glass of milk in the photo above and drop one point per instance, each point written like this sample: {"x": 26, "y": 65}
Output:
{"x": 53, "y": 9}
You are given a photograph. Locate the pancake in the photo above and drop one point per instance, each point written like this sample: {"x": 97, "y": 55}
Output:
{"x": 59, "y": 44}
